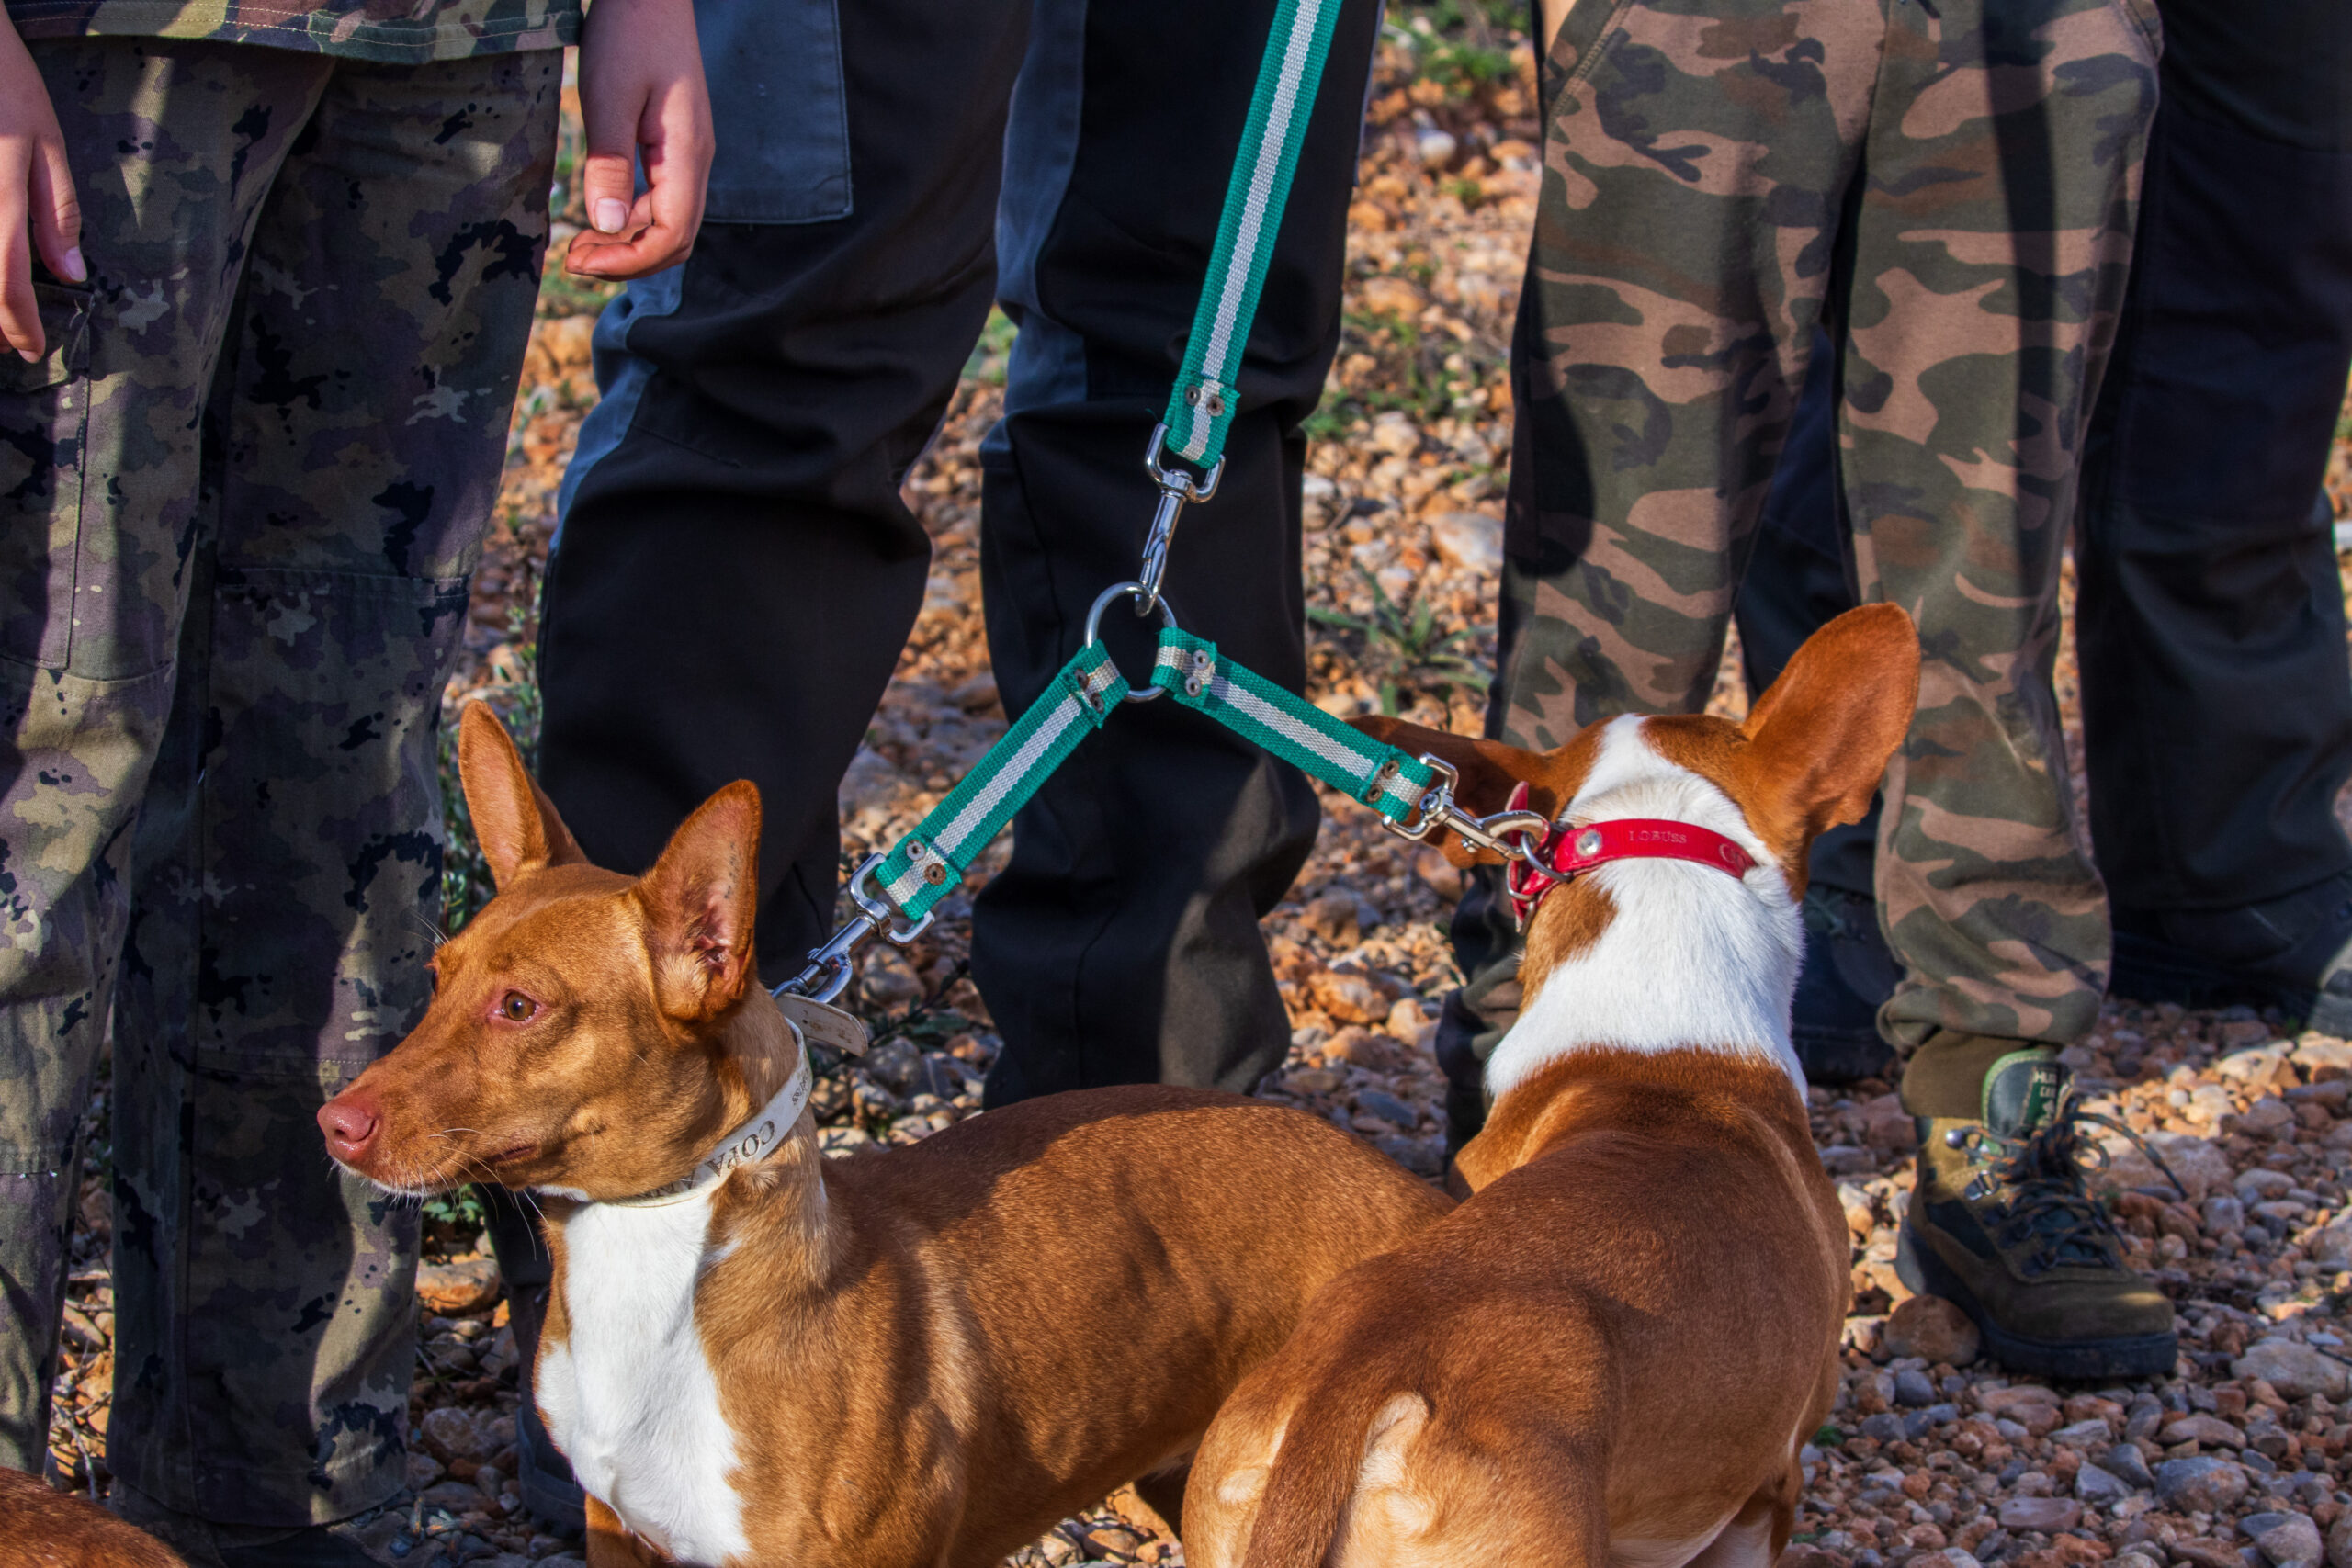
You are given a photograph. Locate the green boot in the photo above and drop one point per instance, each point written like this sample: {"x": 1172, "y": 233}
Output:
{"x": 2000, "y": 1227}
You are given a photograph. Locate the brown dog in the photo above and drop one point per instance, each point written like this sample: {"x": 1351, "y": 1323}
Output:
{"x": 1612, "y": 1351}
{"x": 41, "y": 1528}
{"x": 753, "y": 1354}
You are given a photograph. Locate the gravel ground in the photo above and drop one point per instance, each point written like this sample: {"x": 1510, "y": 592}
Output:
{"x": 2239, "y": 1458}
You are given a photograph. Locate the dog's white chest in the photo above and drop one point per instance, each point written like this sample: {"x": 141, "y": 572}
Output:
{"x": 630, "y": 1396}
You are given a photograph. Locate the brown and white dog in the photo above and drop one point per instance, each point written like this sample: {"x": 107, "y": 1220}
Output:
{"x": 1612, "y": 1352}
{"x": 755, "y": 1354}
{"x": 41, "y": 1528}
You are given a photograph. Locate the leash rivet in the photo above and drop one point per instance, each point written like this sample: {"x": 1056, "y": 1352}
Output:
{"x": 1589, "y": 841}
{"x": 915, "y": 851}
{"x": 1193, "y": 685}
{"x": 934, "y": 873}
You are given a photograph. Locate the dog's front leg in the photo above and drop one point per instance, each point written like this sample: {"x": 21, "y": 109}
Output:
{"x": 611, "y": 1544}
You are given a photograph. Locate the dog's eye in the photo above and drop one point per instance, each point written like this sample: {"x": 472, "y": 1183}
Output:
{"x": 515, "y": 1007}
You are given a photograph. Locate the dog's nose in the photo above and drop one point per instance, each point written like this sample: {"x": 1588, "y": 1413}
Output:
{"x": 349, "y": 1123}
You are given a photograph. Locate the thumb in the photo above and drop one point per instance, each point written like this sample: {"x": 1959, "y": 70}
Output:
{"x": 608, "y": 183}
{"x": 57, "y": 214}
{"x": 608, "y": 174}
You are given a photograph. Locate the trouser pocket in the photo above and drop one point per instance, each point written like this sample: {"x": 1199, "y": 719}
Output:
{"x": 44, "y": 436}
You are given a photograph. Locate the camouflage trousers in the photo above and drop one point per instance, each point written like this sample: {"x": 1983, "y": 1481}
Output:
{"x": 239, "y": 502}
{"x": 1949, "y": 187}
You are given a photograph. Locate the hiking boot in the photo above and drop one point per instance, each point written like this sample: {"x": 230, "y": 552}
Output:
{"x": 2292, "y": 952}
{"x": 2000, "y": 1227}
{"x": 1848, "y": 976}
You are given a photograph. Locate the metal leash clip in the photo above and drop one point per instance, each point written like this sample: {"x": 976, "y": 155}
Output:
{"x": 829, "y": 971}
{"x": 1510, "y": 834}
{"x": 1177, "y": 486}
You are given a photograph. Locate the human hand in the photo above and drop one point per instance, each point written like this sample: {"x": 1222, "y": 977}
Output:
{"x": 642, "y": 95}
{"x": 37, "y": 196}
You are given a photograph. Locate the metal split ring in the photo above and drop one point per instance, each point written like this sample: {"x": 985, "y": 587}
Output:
{"x": 1146, "y": 601}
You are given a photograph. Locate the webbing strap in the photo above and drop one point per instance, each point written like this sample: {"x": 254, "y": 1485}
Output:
{"x": 1389, "y": 780}
{"x": 1202, "y": 406}
{"x": 928, "y": 863}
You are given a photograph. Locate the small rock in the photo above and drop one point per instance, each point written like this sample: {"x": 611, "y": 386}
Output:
{"x": 2339, "y": 1534}
{"x": 2209, "y": 1553}
{"x": 1113, "y": 1538}
{"x": 452, "y": 1497}
{"x": 974, "y": 696}
{"x": 2048, "y": 1515}
{"x": 894, "y": 1063}
{"x": 1349, "y": 996}
{"x": 1885, "y": 1427}
{"x": 424, "y": 1470}
{"x": 1435, "y": 148}
{"x": 2210, "y": 1430}
{"x": 1468, "y": 541}
{"x": 2199, "y": 1485}
{"x": 1930, "y": 1328}
{"x": 1950, "y": 1557}
{"x": 2085, "y": 1435}
{"x": 1333, "y": 918}
{"x": 1386, "y": 295}
{"x": 453, "y": 1290}
{"x": 450, "y": 1433}
{"x": 1438, "y": 875}
{"x": 1913, "y": 1391}
{"x": 2029, "y": 1406}
{"x": 2102, "y": 1488}
{"x": 2201, "y": 1166}
{"x": 2314, "y": 1051}
{"x": 2126, "y": 1462}
{"x": 2258, "y": 1182}
{"x": 2296, "y": 1371}
{"x": 1388, "y": 1108}
{"x": 2332, "y": 1247}
{"x": 2288, "y": 1539}
{"x": 2268, "y": 1115}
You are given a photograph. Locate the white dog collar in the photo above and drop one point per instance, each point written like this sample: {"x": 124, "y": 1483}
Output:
{"x": 746, "y": 1143}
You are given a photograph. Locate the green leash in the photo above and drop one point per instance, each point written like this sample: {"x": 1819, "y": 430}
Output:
{"x": 898, "y": 892}
{"x": 1202, "y": 406}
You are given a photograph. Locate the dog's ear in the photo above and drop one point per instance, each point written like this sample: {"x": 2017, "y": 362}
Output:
{"x": 514, "y": 822}
{"x": 1489, "y": 771}
{"x": 699, "y": 899}
{"x": 1819, "y": 740}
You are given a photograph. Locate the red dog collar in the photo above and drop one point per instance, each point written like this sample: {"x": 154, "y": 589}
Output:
{"x": 1566, "y": 852}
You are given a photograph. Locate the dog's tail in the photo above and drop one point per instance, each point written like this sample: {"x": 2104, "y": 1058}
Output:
{"x": 1316, "y": 1470}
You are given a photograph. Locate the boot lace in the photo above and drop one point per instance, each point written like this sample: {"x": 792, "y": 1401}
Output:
{"x": 2038, "y": 1177}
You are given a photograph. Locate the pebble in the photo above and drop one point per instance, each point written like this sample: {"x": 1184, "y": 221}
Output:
{"x": 455, "y": 1290}
{"x": 451, "y": 1432}
{"x": 2125, "y": 1462}
{"x": 1468, "y": 541}
{"x": 2048, "y": 1515}
{"x": 1928, "y": 1328}
{"x": 2295, "y": 1371}
{"x": 2288, "y": 1540}
{"x": 2199, "y": 1485}
{"x": 2100, "y": 1487}
{"x": 2207, "y": 1430}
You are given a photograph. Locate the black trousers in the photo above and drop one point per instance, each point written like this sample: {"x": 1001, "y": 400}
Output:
{"x": 735, "y": 575}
